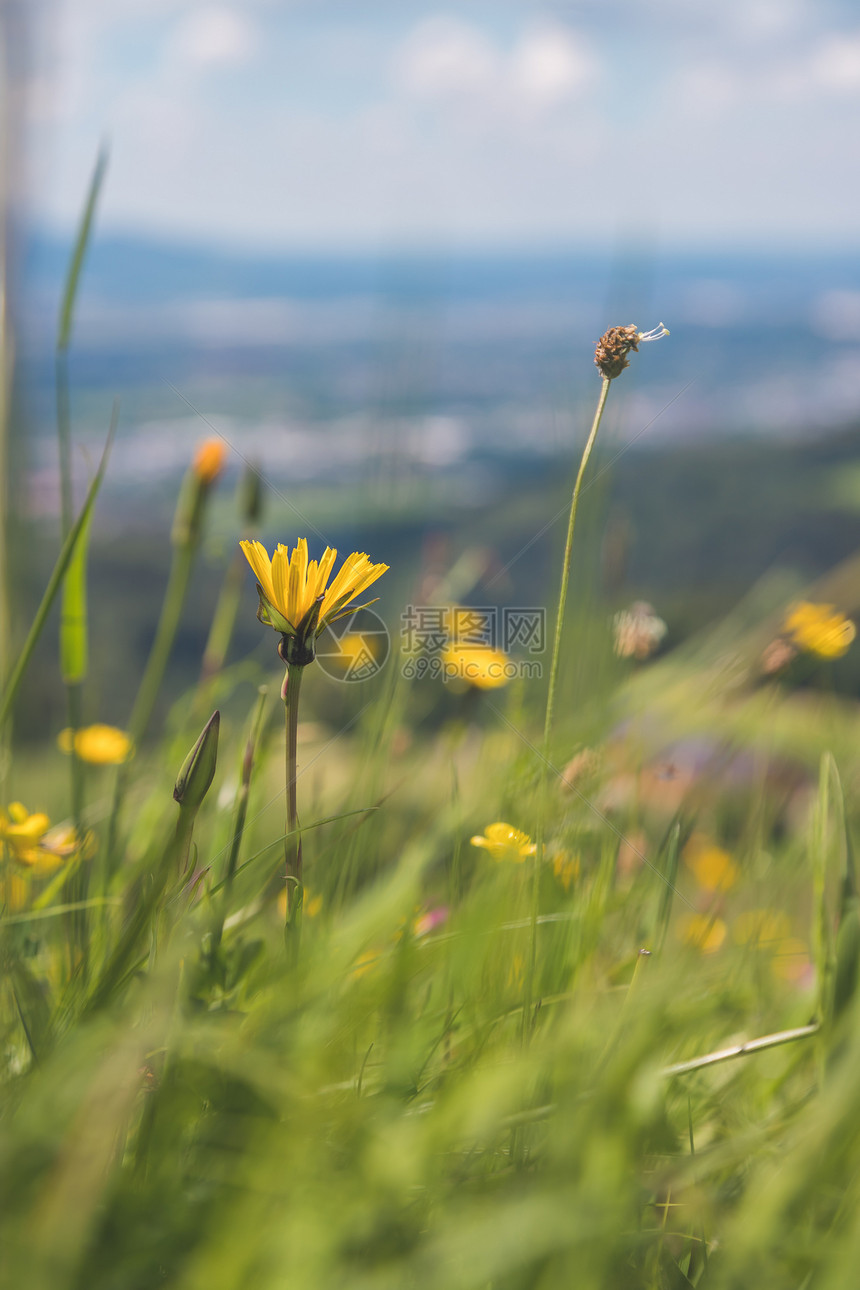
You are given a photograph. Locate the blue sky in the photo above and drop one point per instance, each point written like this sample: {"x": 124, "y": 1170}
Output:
{"x": 268, "y": 124}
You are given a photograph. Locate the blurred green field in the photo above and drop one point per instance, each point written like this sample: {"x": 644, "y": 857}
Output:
{"x": 462, "y": 1081}
{"x": 566, "y": 1004}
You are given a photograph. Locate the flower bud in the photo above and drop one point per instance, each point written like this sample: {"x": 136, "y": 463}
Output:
{"x": 198, "y": 769}
{"x": 250, "y": 496}
{"x": 209, "y": 458}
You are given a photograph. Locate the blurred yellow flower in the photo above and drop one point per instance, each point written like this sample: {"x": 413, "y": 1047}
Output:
{"x": 31, "y": 843}
{"x": 764, "y": 927}
{"x": 20, "y": 830}
{"x": 790, "y": 961}
{"x": 477, "y": 665}
{"x": 819, "y": 629}
{"x": 504, "y": 842}
{"x": 365, "y": 963}
{"x": 14, "y": 891}
{"x": 209, "y": 458}
{"x": 99, "y": 745}
{"x": 704, "y": 933}
{"x": 290, "y": 585}
{"x": 713, "y": 867}
{"x": 566, "y": 868}
{"x": 311, "y": 905}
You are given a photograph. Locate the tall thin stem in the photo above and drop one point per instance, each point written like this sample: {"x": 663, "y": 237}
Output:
{"x": 293, "y": 841}
{"x": 565, "y": 575}
{"x": 543, "y": 781}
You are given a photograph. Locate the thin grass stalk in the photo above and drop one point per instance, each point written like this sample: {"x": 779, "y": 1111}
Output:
{"x": 55, "y": 581}
{"x": 543, "y": 783}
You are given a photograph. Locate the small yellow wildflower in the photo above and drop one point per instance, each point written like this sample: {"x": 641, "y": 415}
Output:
{"x": 209, "y": 458}
{"x": 295, "y": 597}
{"x": 566, "y": 868}
{"x": 478, "y": 665}
{"x": 99, "y": 745}
{"x": 21, "y": 831}
{"x": 820, "y": 629}
{"x": 704, "y": 933}
{"x": 713, "y": 867}
{"x": 31, "y": 843}
{"x": 504, "y": 842}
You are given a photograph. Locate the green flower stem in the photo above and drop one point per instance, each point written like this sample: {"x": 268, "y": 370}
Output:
{"x": 293, "y": 841}
{"x": 528, "y": 993}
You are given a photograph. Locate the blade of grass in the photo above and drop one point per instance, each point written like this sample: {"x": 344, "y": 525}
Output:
{"x": 56, "y": 578}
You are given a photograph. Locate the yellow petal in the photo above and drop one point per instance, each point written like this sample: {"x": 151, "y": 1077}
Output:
{"x": 257, "y": 556}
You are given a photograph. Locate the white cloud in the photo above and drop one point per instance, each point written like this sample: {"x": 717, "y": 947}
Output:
{"x": 836, "y": 64}
{"x": 446, "y": 59}
{"x": 551, "y": 65}
{"x": 214, "y": 36}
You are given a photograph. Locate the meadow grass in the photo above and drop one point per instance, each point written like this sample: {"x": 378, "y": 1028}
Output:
{"x": 485, "y": 1067}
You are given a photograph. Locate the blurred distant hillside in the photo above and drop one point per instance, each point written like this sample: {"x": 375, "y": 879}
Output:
{"x": 400, "y": 405}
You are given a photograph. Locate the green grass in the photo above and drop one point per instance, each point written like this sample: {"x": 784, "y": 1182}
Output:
{"x": 377, "y": 1115}
{"x": 463, "y": 1078}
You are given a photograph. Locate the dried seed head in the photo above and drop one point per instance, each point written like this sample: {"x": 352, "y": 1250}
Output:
{"x": 612, "y": 349}
{"x": 610, "y": 357}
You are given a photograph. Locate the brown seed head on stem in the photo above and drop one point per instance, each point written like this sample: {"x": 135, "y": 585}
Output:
{"x": 610, "y": 356}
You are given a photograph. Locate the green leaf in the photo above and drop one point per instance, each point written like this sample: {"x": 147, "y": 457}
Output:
{"x": 56, "y": 578}
{"x": 67, "y": 307}
{"x": 74, "y": 642}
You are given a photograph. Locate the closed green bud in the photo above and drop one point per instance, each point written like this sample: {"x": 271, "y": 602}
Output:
{"x": 198, "y": 769}
{"x": 250, "y": 496}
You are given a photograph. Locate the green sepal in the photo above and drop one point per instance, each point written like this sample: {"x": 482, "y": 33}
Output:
{"x": 299, "y": 650}
{"x": 348, "y": 609}
{"x": 268, "y": 614}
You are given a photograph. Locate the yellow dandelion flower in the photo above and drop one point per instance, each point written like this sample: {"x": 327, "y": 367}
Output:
{"x": 478, "y": 665}
{"x": 504, "y": 842}
{"x": 703, "y": 933}
{"x": 713, "y": 867}
{"x": 99, "y": 745}
{"x": 295, "y": 596}
{"x": 209, "y": 458}
{"x": 819, "y": 629}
